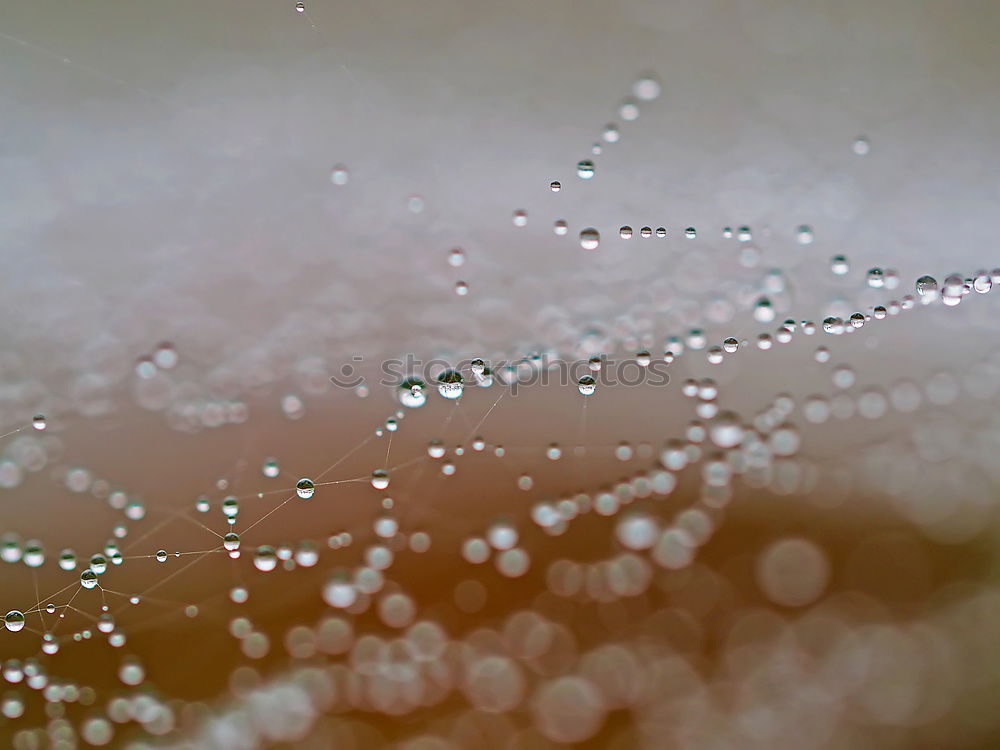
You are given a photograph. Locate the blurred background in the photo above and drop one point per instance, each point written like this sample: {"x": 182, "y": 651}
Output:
{"x": 765, "y": 229}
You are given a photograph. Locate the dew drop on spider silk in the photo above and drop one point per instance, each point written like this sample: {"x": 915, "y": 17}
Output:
{"x": 14, "y": 620}
{"x": 305, "y": 488}
{"x": 230, "y": 507}
{"x": 451, "y": 384}
{"x": 926, "y": 285}
{"x": 380, "y": 479}
{"x": 412, "y": 393}
{"x": 590, "y": 239}
{"x": 585, "y": 169}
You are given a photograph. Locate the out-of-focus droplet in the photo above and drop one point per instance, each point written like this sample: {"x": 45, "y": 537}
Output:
{"x": 339, "y": 174}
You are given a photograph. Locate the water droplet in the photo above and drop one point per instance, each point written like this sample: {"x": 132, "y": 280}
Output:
{"x": 161, "y": 556}
{"x": 926, "y": 285}
{"x": 629, "y": 110}
{"x": 953, "y": 290}
{"x": 38, "y": 422}
{"x": 981, "y": 282}
{"x": 726, "y": 430}
{"x": 271, "y": 468}
{"x": 98, "y": 564}
{"x": 590, "y": 239}
{"x": 339, "y": 174}
{"x": 861, "y": 146}
{"x": 165, "y": 356}
{"x": 555, "y": 186}
{"x": 450, "y": 384}
{"x": 560, "y": 227}
{"x": 456, "y": 257}
{"x": 88, "y": 579}
{"x": 585, "y": 169}
{"x": 763, "y": 311}
{"x": 67, "y": 559}
{"x": 412, "y": 393}
{"x": 646, "y": 89}
{"x": 611, "y": 133}
{"x": 839, "y": 265}
{"x": 265, "y": 559}
{"x": 690, "y": 233}
{"x": 380, "y": 479}
{"x": 804, "y": 235}
{"x": 520, "y": 218}
{"x": 876, "y": 278}
{"x": 300, "y": 7}
{"x": 625, "y": 232}
{"x": 587, "y": 385}
{"x": 305, "y": 488}
{"x": 230, "y": 507}
{"x": 461, "y": 288}
{"x": 14, "y": 620}
{"x": 833, "y": 325}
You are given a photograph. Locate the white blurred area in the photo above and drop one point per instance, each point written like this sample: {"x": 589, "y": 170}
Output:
{"x": 208, "y": 208}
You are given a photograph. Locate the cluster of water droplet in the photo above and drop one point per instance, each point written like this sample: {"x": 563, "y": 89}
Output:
{"x": 413, "y": 661}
